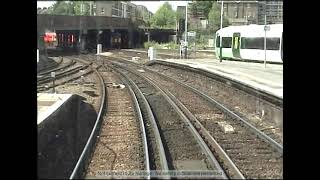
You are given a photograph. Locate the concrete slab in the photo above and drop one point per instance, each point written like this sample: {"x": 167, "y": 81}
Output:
{"x": 49, "y": 103}
{"x": 65, "y": 122}
{"x": 106, "y": 54}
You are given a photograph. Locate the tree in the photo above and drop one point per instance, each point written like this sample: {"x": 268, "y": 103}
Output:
{"x": 81, "y": 8}
{"x": 70, "y": 8}
{"x": 180, "y": 15}
{"x": 214, "y": 17}
{"x": 201, "y": 7}
{"x": 165, "y": 17}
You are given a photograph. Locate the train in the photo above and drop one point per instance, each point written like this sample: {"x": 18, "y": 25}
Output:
{"x": 247, "y": 43}
{"x": 53, "y": 40}
{"x": 50, "y": 40}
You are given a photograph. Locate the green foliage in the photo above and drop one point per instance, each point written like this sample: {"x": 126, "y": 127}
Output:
{"x": 215, "y": 16}
{"x": 201, "y": 6}
{"x": 151, "y": 44}
{"x": 71, "y": 8}
{"x": 81, "y": 7}
{"x": 180, "y": 15}
{"x": 165, "y": 17}
{"x": 170, "y": 45}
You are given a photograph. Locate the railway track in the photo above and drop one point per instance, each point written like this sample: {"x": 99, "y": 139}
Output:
{"x": 119, "y": 144}
{"x": 51, "y": 66}
{"x": 253, "y": 156}
{"x": 260, "y": 109}
{"x": 184, "y": 148}
{"x": 172, "y": 148}
{"x": 71, "y": 74}
{"x": 117, "y": 141}
{"x": 194, "y": 131}
{"x": 59, "y": 75}
{"x": 70, "y": 63}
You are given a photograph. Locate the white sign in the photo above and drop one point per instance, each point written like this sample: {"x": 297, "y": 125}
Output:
{"x": 37, "y": 55}
{"x": 210, "y": 42}
{"x": 267, "y": 28}
{"x": 99, "y": 48}
{"x": 53, "y": 74}
{"x": 191, "y": 33}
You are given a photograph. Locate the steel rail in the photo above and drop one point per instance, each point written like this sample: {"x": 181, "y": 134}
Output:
{"x": 72, "y": 62}
{"x": 162, "y": 155}
{"x": 143, "y": 130}
{"x": 82, "y": 161}
{"x": 212, "y": 160}
{"x": 233, "y": 115}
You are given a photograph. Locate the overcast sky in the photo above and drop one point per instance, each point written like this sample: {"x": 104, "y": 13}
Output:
{"x": 151, "y": 5}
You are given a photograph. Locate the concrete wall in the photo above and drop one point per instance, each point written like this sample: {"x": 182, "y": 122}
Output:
{"x": 62, "y": 137}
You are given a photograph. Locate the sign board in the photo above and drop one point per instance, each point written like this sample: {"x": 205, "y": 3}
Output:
{"x": 267, "y": 28}
{"x": 210, "y": 42}
{"x": 37, "y": 55}
{"x": 191, "y": 33}
{"x": 53, "y": 74}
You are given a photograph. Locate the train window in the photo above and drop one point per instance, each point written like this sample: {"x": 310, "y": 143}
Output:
{"x": 226, "y": 42}
{"x": 218, "y": 41}
{"x": 252, "y": 43}
{"x": 282, "y": 46}
{"x": 273, "y": 43}
{"x": 258, "y": 43}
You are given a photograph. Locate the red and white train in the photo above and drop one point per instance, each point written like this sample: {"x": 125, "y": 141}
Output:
{"x": 52, "y": 40}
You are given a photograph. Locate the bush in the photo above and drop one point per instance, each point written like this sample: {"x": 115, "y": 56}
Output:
{"x": 152, "y": 44}
{"x": 170, "y": 45}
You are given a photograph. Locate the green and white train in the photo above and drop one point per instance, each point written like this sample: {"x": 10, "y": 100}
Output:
{"x": 247, "y": 43}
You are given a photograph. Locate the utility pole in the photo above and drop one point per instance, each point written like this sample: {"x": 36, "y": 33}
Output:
{"x": 221, "y": 16}
{"x": 90, "y": 8}
{"x": 221, "y": 28}
{"x": 186, "y": 32}
{"x": 81, "y": 8}
{"x": 265, "y": 40}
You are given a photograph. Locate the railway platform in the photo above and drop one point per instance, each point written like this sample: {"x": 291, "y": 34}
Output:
{"x": 49, "y": 103}
{"x": 269, "y": 79}
{"x": 255, "y": 75}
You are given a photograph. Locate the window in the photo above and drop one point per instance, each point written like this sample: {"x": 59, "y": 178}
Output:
{"x": 252, "y": 43}
{"x": 218, "y": 41}
{"x": 258, "y": 43}
{"x": 273, "y": 43}
{"x": 282, "y": 46}
{"x": 226, "y": 42}
{"x": 114, "y": 12}
{"x": 102, "y": 10}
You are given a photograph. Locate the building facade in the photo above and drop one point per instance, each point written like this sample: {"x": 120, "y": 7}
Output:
{"x": 123, "y": 9}
{"x": 244, "y": 12}
{"x": 273, "y": 10}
